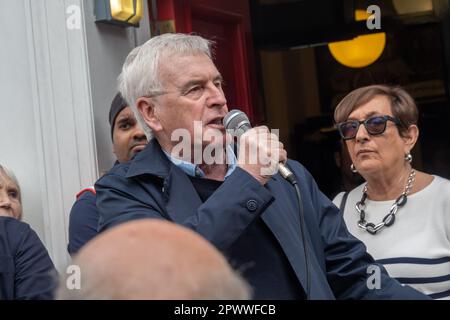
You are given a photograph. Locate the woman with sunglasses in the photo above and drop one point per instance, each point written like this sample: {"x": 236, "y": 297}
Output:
{"x": 401, "y": 214}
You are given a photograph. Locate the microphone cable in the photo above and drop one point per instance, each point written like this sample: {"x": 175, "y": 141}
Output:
{"x": 293, "y": 181}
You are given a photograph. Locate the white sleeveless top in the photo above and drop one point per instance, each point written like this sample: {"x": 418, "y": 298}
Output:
{"x": 416, "y": 248}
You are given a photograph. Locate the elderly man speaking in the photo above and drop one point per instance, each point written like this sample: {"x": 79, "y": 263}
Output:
{"x": 251, "y": 216}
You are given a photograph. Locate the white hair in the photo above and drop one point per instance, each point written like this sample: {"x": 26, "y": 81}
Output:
{"x": 9, "y": 174}
{"x": 140, "y": 76}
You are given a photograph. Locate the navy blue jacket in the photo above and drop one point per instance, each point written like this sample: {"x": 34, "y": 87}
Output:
{"x": 83, "y": 221}
{"x": 151, "y": 186}
{"x": 26, "y": 271}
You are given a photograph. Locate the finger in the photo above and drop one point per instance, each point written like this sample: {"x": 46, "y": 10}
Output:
{"x": 283, "y": 156}
{"x": 274, "y": 137}
{"x": 261, "y": 129}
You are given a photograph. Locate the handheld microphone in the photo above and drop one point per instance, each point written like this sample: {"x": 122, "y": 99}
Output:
{"x": 238, "y": 121}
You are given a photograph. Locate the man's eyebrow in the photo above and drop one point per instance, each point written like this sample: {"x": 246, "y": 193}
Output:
{"x": 198, "y": 81}
{"x": 218, "y": 77}
{"x": 191, "y": 83}
{"x": 124, "y": 118}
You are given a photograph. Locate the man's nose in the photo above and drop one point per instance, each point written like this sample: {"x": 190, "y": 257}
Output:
{"x": 216, "y": 97}
{"x": 139, "y": 134}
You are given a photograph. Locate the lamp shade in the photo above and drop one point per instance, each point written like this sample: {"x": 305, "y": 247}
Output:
{"x": 360, "y": 51}
{"x": 126, "y": 13}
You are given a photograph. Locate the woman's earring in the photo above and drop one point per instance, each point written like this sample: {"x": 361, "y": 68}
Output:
{"x": 408, "y": 157}
{"x": 352, "y": 167}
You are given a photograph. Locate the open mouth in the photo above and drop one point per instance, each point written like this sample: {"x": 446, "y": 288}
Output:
{"x": 217, "y": 122}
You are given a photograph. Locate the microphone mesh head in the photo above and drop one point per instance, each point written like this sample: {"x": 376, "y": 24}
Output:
{"x": 234, "y": 119}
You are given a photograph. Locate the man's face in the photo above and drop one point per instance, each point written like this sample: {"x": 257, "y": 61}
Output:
{"x": 128, "y": 137}
{"x": 192, "y": 92}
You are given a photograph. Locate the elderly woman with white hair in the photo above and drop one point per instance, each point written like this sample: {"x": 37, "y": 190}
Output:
{"x": 26, "y": 270}
{"x": 10, "y": 196}
{"x": 400, "y": 213}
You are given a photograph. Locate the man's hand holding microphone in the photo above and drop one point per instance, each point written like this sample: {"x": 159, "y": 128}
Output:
{"x": 260, "y": 152}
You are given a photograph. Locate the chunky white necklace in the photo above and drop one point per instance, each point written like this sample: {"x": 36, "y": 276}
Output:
{"x": 389, "y": 219}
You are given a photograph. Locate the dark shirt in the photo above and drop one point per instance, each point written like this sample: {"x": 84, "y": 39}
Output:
{"x": 83, "y": 222}
{"x": 26, "y": 270}
{"x": 268, "y": 265}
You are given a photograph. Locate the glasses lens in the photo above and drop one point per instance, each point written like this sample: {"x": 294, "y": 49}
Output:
{"x": 376, "y": 125}
{"x": 348, "y": 129}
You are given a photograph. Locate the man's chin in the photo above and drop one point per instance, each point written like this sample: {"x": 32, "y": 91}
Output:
{"x": 215, "y": 127}
{"x": 215, "y": 144}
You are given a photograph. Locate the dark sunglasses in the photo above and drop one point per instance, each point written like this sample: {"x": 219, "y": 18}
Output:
{"x": 374, "y": 126}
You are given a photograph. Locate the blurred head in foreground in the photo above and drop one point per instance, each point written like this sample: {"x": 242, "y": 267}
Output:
{"x": 152, "y": 259}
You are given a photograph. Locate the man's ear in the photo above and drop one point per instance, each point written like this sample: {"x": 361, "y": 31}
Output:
{"x": 146, "y": 107}
{"x": 410, "y": 138}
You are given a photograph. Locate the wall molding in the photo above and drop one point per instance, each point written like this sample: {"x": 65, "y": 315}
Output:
{"x": 63, "y": 114}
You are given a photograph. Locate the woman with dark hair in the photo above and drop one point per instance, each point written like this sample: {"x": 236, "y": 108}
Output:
{"x": 401, "y": 214}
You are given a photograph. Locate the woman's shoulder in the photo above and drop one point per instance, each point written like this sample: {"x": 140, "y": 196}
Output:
{"x": 443, "y": 181}
{"x": 338, "y": 198}
{"x": 13, "y": 231}
{"x": 440, "y": 184}
{"x": 436, "y": 191}
{"x": 13, "y": 226}
{"x": 356, "y": 191}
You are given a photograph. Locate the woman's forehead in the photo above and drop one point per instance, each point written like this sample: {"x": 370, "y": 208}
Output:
{"x": 378, "y": 104}
{"x": 5, "y": 180}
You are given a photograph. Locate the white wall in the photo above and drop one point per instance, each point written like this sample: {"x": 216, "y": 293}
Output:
{"x": 108, "y": 46}
{"x": 17, "y": 129}
{"x": 56, "y": 85}
{"x": 47, "y": 124}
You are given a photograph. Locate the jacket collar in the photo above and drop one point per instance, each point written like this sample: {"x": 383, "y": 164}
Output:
{"x": 151, "y": 160}
{"x": 176, "y": 189}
